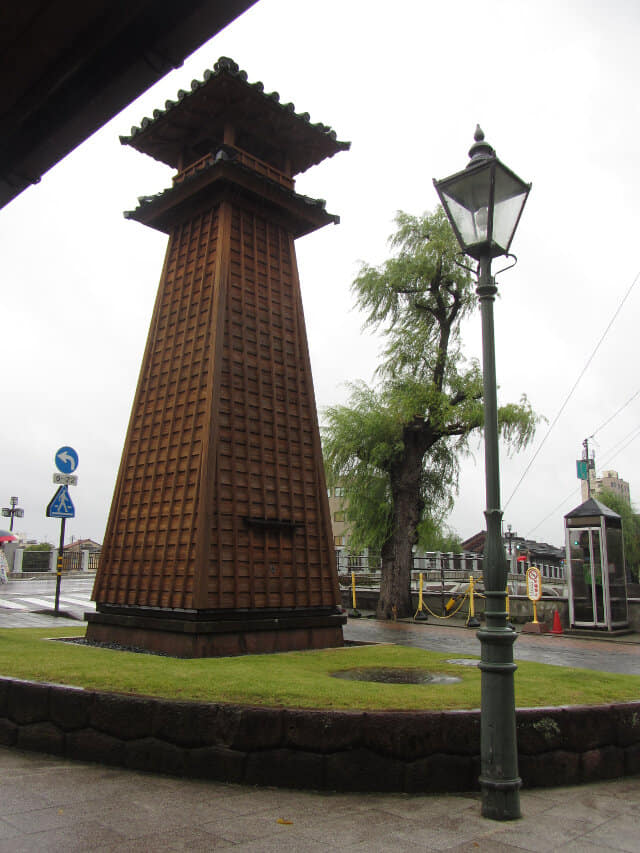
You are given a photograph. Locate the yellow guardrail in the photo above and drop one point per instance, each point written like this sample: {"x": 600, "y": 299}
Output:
{"x": 470, "y": 594}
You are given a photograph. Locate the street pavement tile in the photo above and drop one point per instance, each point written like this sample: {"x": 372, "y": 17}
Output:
{"x": 430, "y": 807}
{"x": 64, "y": 785}
{"x": 289, "y": 844}
{"x": 70, "y": 838}
{"x": 461, "y": 833}
{"x": 488, "y": 845}
{"x": 169, "y": 841}
{"x": 589, "y": 813}
{"x": 19, "y": 797}
{"x": 38, "y": 820}
{"x": 541, "y": 833}
{"x": 354, "y": 827}
{"x": 243, "y": 829}
{"x": 132, "y": 816}
{"x": 607, "y": 799}
{"x": 385, "y": 845}
{"x": 621, "y": 830}
{"x": 582, "y": 845}
{"x": 255, "y": 800}
{"x": 8, "y": 830}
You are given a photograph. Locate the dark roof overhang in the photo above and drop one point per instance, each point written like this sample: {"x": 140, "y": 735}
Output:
{"x": 590, "y": 509}
{"x": 67, "y": 67}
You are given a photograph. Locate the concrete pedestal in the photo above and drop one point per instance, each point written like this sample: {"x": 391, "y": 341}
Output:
{"x": 535, "y": 628}
{"x": 190, "y": 635}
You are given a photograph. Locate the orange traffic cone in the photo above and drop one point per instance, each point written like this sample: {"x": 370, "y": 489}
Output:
{"x": 557, "y": 627}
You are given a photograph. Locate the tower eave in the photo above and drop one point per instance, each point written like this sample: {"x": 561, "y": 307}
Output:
{"x": 230, "y": 179}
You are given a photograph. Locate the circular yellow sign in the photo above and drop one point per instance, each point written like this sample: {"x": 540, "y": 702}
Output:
{"x": 534, "y": 583}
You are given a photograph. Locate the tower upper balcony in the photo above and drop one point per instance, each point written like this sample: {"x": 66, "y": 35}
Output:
{"x": 232, "y": 152}
{"x": 225, "y": 111}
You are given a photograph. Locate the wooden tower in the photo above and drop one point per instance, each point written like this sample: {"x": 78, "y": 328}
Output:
{"x": 219, "y": 537}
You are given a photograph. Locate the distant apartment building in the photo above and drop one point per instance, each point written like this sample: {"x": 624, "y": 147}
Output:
{"x": 336, "y": 508}
{"x": 608, "y": 481}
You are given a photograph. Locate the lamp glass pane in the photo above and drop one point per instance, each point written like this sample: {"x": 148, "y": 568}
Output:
{"x": 464, "y": 219}
{"x": 510, "y": 196}
{"x": 466, "y": 195}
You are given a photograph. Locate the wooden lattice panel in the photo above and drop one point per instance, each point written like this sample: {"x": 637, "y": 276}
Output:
{"x": 220, "y": 501}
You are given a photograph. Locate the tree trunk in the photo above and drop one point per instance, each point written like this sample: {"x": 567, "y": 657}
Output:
{"x": 397, "y": 552}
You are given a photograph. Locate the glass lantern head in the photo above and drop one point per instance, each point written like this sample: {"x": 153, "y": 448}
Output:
{"x": 484, "y": 202}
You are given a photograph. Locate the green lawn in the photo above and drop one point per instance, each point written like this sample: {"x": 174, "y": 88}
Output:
{"x": 294, "y": 679}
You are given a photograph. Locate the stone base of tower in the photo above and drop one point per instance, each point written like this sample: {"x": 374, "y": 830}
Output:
{"x": 198, "y": 634}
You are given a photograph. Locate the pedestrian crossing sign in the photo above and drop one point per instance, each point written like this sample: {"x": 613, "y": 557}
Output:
{"x": 61, "y": 505}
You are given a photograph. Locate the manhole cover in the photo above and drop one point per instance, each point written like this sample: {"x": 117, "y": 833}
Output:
{"x": 464, "y": 661}
{"x": 387, "y": 675}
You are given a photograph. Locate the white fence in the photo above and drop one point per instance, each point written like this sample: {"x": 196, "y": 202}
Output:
{"x": 437, "y": 566}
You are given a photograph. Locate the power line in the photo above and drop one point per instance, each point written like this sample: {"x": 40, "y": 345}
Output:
{"x": 553, "y": 512}
{"x": 635, "y": 430}
{"x": 615, "y": 415}
{"x": 575, "y": 385}
{"x": 615, "y": 450}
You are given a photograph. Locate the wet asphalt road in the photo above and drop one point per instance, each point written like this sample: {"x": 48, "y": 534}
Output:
{"x": 622, "y": 655}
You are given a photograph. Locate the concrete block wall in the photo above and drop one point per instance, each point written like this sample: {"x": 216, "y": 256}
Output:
{"x": 333, "y": 750}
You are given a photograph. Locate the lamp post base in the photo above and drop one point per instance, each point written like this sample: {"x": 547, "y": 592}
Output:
{"x": 499, "y": 780}
{"x": 501, "y": 800}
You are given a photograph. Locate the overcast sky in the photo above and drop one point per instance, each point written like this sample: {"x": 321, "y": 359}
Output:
{"x": 554, "y": 85}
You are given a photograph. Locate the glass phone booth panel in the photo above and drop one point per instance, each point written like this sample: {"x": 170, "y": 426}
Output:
{"x": 585, "y": 560}
{"x": 617, "y": 580}
{"x": 596, "y": 573}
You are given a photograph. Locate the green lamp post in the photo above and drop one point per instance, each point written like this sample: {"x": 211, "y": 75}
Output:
{"x": 484, "y": 203}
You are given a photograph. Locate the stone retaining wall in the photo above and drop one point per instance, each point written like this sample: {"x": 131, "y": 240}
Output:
{"x": 335, "y": 750}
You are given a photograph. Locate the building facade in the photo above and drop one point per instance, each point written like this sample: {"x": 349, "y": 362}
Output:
{"x": 609, "y": 481}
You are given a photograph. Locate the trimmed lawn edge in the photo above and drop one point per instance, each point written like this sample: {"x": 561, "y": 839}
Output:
{"x": 297, "y": 679}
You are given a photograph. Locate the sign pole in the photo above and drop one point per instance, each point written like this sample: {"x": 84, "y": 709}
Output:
{"x": 61, "y": 506}
{"x": 59, "y": 566}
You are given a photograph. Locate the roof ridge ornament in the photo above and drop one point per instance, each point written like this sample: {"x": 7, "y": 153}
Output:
{"x": 225, "y": 63}
{"x": 480, "y": 150}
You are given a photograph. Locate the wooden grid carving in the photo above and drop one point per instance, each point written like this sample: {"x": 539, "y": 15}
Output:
{"x": 220, "y": 502}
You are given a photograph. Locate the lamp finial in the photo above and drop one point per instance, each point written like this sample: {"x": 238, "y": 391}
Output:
{"x": 480, "y": 150}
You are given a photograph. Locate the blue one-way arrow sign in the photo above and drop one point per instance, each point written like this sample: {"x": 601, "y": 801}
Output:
{"x": 61, "y": 505}
{"x": 66, "y": 460}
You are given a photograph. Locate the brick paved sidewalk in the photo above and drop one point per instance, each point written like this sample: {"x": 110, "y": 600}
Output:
{"x": 52, "y": 804}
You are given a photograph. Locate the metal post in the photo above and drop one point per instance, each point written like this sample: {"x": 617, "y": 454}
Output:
{"x": 499, "y": 780}
{"x": 59, "y": 566}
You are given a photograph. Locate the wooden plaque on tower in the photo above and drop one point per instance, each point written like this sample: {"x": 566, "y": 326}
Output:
{"x": 219, "y": 537}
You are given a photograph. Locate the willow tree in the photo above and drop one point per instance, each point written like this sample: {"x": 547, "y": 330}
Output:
{"x": 396, "y": 447}
{"x": 630, "y": 529}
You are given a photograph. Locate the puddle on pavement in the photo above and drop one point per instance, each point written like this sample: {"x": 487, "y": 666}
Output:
{"x": 390, "y": 675}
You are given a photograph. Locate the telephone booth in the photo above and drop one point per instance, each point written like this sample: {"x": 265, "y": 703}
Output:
{"x": 595, "y": 568}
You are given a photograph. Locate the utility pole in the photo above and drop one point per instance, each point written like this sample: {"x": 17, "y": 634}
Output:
{"x": 585, "y": 454}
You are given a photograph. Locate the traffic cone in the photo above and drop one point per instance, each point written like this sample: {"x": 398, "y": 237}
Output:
{"x": 557, "y": 627}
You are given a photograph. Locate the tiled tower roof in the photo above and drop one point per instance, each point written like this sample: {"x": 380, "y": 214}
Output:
{"x": 189, "y": 127}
